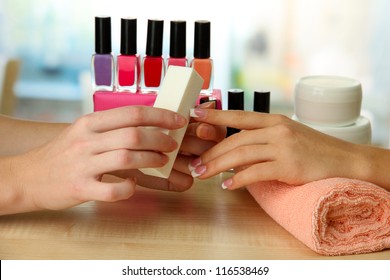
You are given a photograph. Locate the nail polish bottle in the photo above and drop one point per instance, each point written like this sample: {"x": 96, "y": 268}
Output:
{"x": 128, "y": 62}
{"x": 261, "y": 101}
{"x": 235, "y": 102}
{"x": 177, "y": 46}
{"x": 153, "y": 65}
{"x": 202, "y": 62}
{"x": 103, "y": 61}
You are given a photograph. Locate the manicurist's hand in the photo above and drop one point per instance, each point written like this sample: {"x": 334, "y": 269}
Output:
{"x": 67, "y": 170}
{"x": 274, "y": 147}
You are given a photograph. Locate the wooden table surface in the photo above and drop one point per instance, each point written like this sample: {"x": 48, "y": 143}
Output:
{"x": 205, "y": 222}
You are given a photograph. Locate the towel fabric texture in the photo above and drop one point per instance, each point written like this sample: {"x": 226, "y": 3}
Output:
{"x": 335, "y": 216}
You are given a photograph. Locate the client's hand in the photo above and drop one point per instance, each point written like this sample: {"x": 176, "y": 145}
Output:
{"x": 274, "y": 147}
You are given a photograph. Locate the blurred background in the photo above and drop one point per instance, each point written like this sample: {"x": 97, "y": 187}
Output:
{"x": 46, "y": 48}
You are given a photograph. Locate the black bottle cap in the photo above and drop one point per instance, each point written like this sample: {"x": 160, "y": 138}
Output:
{"x": 235, "y": 99}
{"x": 103, "y": 35}
{"x": 235, "y": 102}
{"x": 128, "y": 36}
{"x": 261, "y": 101}
{"x": 204, "y": 100}
{"x": 154, "y": 40}
{"x": 177, "y": 45}
{"x": 202, "y": 39}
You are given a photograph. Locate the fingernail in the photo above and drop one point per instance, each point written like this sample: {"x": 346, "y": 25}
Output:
{"x": 197, "y": 113}
{"x": 206, "y": 105}
{"x": 180, "y": 120}
{"x": 198, "y": 171}
{"x": 227, "y": 183}
{"x": 191, "y": 168}
{"x": 196, "y": 162}
{"x": 174, "y": 145}
{"x": 204, "y": 131}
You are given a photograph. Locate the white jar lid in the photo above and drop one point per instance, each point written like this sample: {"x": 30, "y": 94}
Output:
{"x": 330, "y": 89}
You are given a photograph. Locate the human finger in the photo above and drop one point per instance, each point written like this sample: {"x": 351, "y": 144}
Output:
{"x": 125, "y": 159}
{"x": 128, "y": 116}
{"x": 211, "y": 132}
{"x": 265, "y": 171}
{"x": 239, "y": 119}
{"x": 206, "y": 131}
{"x": 134, "y": 138}
{"x": 244, "y": 138}
{"x": 191, "y": 128}
{"x": 179, "y": 181}
{"x": 182, "y": 162}
{"x": 241, "y": 156}
{"x": 102, "y": 191}
{"x": 205, "y": 105}
{"x": 195, "y": 146}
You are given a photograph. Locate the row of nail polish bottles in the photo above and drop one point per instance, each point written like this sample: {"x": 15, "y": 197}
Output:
{"x": 146, "y": 75}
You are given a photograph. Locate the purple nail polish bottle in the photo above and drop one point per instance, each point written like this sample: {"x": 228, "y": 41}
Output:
{"x": 103, "y": 61}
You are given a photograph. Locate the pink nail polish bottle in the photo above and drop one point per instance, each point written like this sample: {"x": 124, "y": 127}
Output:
{"x": 128, "y": 62}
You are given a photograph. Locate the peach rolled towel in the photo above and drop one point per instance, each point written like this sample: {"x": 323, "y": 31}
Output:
{"x": 334, "y": 216}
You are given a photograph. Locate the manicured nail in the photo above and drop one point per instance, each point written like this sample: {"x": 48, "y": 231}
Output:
{"x": 206, "y": 105}
{"x": 191, "y": 168}
{"x": 198, "y": 171}
{"x": 197, "y": 113}
{"x": 227, "y": 183}
{"x": 196, "y": 162}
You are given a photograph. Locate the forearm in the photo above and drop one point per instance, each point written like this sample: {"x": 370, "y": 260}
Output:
{"x": 19, "y": 136}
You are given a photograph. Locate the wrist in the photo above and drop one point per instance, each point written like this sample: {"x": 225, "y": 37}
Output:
{"x": 14, "y": 195}
{"x": 11, "y": 196}
{"x": 367, "y": 164}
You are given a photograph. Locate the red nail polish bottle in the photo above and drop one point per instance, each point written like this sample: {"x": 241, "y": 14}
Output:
{"x": 153, "y": 65}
